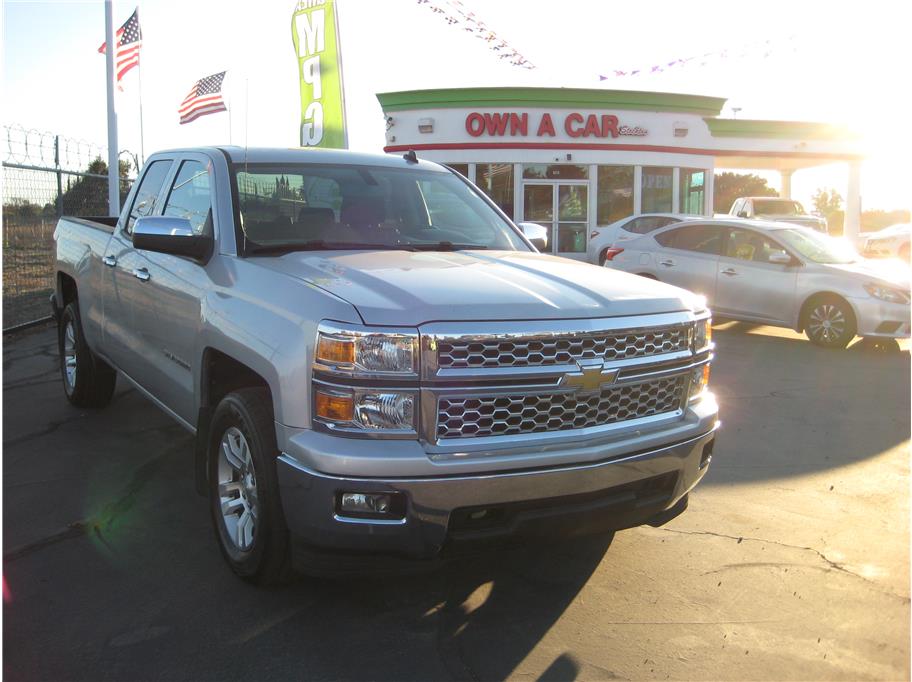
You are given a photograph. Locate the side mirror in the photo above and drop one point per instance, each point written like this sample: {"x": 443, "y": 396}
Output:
{"x": 780, "y": 258}
{"x": 537, "y": 234}
{"x": 175, "y": 236}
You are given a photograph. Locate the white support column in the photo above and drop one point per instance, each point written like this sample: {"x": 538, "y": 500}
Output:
{"x": 593, "y": 200}
{"x": 786, "y": 175}
{"x": 637, "y": 189}
{"x": 675, "y": 190}
{"x": 709, "y": 183}
{"x": 519, "y": 205}
{"x": 852, "y": 223}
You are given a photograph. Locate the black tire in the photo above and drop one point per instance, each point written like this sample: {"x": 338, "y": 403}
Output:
{"x": 88, "y": 381}
{"x": 833, "y": 309}
{"x": 266, "y": 560}
{"x": 602, "y": 257}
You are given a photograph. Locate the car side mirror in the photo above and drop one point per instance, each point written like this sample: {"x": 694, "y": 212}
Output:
{"x": 537, "y": 234}
{"x": 780, "y": 258}
{"x": 175, "y": 236}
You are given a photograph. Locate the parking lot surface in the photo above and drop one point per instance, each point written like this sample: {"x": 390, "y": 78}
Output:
{"x": 792, "y": 561}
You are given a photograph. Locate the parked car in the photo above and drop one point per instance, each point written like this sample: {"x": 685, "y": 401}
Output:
{"x": 777, "y": 274}
{"x": 890, "y": 242}
{"x": 780, "y": 210}
{"x": 376, "y": 363}
{"x": 602, "y": 238}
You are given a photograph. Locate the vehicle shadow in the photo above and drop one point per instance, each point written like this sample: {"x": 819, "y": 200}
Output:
{"x": 821, "y": 408}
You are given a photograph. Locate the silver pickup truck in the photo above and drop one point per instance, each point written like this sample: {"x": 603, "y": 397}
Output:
{"x": 376, "y": 362}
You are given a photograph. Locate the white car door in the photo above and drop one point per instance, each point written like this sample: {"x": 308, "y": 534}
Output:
{"x": 749, "y": 284}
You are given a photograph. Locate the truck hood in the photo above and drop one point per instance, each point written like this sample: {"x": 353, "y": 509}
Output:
{"x": 403, "y": 288}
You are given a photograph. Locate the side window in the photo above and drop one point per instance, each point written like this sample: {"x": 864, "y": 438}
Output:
{"x": 748, "y": 208}
{"x": 648, "y": 224}
{"x": 751, "y": 246}
{"x": 700, "y": 238}
{"x": 147, "y": 194}
{"x": 189, "y": 196}
{"x": 736, "y": 208}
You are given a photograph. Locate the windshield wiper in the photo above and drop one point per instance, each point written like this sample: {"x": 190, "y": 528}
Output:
{"x": 323, "y": 245}
{"x": 447, "y": 246}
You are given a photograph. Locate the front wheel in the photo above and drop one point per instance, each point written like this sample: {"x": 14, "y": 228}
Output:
{"x": 830, "y": 323}
{"x": 243, "y": 488}
{"x": 88, "y": 381}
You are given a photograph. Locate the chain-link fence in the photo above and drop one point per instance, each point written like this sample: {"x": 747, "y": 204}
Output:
{"x": 46, "y": 176}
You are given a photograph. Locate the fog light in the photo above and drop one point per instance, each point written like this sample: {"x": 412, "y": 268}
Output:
{"x": 365, "y": 503}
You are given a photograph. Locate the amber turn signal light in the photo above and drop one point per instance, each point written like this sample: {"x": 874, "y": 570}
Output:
{"x": 336, "y": 351}
{"x": 337, "y": 408}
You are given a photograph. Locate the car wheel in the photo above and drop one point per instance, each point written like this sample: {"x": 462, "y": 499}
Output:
{"x": 830, "y": 323}
{"x": 243, "y": 488}
{"x": 602, "y": 257}
{"x": 88, "y": 381}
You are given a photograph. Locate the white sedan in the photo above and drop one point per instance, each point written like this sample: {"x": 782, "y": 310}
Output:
{"x": 890, "y": 242}
{"x": 603, "y": 238}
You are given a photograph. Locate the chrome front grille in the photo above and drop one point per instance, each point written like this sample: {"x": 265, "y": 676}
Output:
{"x": 544, "y": 350}
{"x": 523, "y": 413}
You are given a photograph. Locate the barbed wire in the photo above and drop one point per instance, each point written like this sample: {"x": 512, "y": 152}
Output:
{"x": 29, "y": 146}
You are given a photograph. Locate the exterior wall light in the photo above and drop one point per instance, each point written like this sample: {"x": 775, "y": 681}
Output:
{"x": 425, "y": 125}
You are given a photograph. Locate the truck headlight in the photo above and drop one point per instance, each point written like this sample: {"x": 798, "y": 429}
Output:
{"x": 702, "y": 334}
{"x": 365, "y": 410}
{"x": 886, "y": 293}
{"x": 362, "y": 352}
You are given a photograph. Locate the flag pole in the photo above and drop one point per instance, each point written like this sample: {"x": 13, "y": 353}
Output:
{"x": 142, "y": 137}
{"x": 113, "y": 166}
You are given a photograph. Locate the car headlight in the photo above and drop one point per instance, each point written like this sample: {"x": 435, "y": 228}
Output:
{"x": 365, "y": 410}
{"x": 886, "y": 293}
{"x": 702, "y": 338}
{"x": 364, "y": 352}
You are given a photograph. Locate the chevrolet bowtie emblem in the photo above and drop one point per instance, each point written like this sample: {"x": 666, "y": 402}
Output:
{"x": 589, "y": 379}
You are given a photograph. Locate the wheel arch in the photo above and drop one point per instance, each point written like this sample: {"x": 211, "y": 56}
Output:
{"x": 808, "y": 302}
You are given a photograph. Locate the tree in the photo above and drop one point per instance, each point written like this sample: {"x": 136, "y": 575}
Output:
{"x": 729, "y": 186}
{"x": 827, "y": 202}
{"x": 88, "y": 194}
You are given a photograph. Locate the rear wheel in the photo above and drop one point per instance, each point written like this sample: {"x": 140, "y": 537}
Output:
{"x": 243, "y": 488}
{"x": 88, "y": 381}
{"x": 830, "y": 322}
{"x": 602, "y": 257}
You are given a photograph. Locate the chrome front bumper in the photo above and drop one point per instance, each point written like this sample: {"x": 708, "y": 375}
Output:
{"x": 618, "y": 484}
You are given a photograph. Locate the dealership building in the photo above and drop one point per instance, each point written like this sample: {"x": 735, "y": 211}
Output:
{"x": 575, "y": 159}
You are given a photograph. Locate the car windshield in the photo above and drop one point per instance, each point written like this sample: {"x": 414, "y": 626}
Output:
{"x": 309, "y": 206}
{"x": 777, "y": 207}
{"x": 818, "y": 247}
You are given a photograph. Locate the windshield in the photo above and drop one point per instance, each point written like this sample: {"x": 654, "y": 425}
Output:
{"x": 818, "y": 247}
{"x": 777, "y": 207}
{"x": 307, "y": 206}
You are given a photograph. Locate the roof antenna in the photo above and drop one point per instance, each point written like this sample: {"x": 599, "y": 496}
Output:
{"x": 410, "y": 156}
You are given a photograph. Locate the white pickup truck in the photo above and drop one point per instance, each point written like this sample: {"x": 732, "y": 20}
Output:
{"x": 776, "y": 209}
{"x": 376, "y": 362}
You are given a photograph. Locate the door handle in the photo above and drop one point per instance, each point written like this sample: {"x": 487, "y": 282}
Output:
{"x": 142, "y": 274}
{"x": 667, "y": 263}
{"x": 110, "y": 261}
{"x": 730, "y": 272}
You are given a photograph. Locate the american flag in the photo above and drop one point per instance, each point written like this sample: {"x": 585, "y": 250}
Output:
{"x": 128, "y": 40}
{"x": 205, "y": 97}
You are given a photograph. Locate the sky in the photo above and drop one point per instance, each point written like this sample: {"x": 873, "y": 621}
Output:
{"x": 837, "y": 62}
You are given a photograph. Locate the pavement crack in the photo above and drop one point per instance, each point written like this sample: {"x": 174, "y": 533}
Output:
{"x": 834, "y": 565}
{"x": 74, "y": 530}
{"x": 47, "y": 430}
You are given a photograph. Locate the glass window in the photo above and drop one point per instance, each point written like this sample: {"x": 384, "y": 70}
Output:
{"x": 189, "y": 196}
{"x": 461, "y": 168}
{"x": 699, "y": 238}
{"x": 648, "y": 223}
{"x": 692, "y": 190}
{"x": 657, "y": 190}
{"x": 147, "y": 193}
{"x": 615, "y": 193}
{"x": 311, "y": 206}
{"x": 751, "y": 246}
{"x": 496, "y": 180}
{"x": 776, "y": 207}
{"x": 555, "y": 171}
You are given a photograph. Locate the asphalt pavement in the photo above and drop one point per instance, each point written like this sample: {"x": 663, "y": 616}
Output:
{"x": 792, "y": 561}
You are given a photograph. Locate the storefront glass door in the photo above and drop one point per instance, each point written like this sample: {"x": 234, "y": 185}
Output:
{"x": 563, "y": 208}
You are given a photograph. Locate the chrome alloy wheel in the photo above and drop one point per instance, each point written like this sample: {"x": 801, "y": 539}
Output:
{"x": 237, "y": 489}
{"x": 827, "y": 323}
{"x": 69, "y": 356}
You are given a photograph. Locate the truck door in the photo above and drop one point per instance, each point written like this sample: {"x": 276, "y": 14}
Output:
{"x": 169, "y": 316}
{"x": 120, "y": 284}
